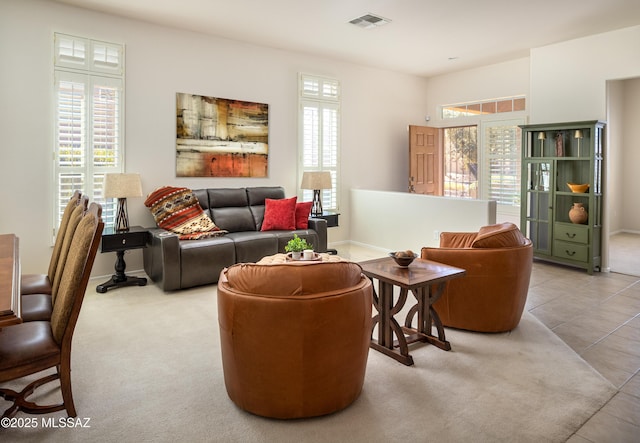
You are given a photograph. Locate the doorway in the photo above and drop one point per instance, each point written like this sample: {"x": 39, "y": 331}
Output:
{"x": 622, "y": 238}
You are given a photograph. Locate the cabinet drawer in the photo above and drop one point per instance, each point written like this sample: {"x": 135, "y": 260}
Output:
{"x": 572, "y": 233}
{"x": 572, "y": 251}
{"x": 122, "y": 241}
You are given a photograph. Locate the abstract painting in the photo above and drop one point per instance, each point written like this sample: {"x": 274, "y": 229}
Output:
{"x": 219, "y": 137}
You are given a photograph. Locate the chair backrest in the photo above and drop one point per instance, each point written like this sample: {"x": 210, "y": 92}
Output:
{"x": 72, "y": 224}
{"x": 57, "y": 247}
{"x": 293, "y": 279}
{"x": 75, "y": 275}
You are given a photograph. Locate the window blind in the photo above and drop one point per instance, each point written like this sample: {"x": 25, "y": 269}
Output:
{"x": 502, "y": 162}
{"x": 89, "y": 94}
{"x": 320, "y": 133}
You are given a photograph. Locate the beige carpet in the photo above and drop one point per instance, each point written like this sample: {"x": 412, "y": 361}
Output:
{"x": 147, "y": 369}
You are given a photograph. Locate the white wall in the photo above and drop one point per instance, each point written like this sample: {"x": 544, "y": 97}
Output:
{"x": 613, "y": 198}
{"x": 416, "y": 219}
{"x": 492, "y": 81}
{"x": 623, "y": 155}
{"x": 630, "y": 207}
{"x": 569, "y": 83}
{"x": 568, "y": 80}
{"x": 377, "y": 107}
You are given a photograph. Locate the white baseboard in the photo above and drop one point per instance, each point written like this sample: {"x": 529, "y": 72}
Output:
{"x": 363, "y": 245}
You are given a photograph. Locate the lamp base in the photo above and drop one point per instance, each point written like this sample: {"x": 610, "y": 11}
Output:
{"x": 316, "y": 208}
{"x": 122, "y": 218}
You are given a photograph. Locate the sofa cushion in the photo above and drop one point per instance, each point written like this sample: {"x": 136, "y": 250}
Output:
{"x": 502, "y": 235}
{"x": 234, "y": 219}
{"x": 203, "y": 258}
{"x": 257, "y": 196}
{"x": 178, "y": 210}
{"x": 251, "y": 246}
{"x": 279, "y": 214}
{"x": 229, "y": 209}
{"x": 303, "y": 209}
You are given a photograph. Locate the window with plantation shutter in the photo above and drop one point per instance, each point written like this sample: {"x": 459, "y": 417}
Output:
{"x": 485, "y": 158}
{"x": 89, "y": 103}
{"x": 502, "y": 163}
{"x": 319, "y": 127}
{"x": 460, "y": 155}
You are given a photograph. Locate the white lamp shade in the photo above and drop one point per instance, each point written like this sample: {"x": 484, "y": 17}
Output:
{"x": 122, "y": 185}
{"x": 316, "y": 180}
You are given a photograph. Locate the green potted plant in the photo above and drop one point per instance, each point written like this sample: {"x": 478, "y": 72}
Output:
{"x": 296, "y": 245}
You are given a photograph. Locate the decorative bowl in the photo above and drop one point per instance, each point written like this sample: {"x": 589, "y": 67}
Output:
{"x": 578, "y": 188}
{"x": 404, "y": 259}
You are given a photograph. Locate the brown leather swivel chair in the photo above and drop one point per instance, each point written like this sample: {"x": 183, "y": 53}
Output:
{"x": 492, "y": 295}
{"x": 28, "y": 348}
{"x": 294, "y": 337}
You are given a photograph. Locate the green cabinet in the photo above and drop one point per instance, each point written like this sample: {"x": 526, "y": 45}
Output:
{"x": 564, "y": 225}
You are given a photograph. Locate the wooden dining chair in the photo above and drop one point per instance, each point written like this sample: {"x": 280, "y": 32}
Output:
{"x": 41, "y": 283}
{"x": 37, "y": 307}
{"x": 31, "y": 347}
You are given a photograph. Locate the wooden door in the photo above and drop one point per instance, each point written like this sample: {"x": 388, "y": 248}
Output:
{"x": 425, "y": 161}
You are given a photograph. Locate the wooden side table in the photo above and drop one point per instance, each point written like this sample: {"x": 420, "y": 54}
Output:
{"x": 426, "y": 280}
{"x": 118, "y": 242}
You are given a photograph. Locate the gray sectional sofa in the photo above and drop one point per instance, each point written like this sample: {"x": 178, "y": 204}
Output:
{"x": 178, "y": 264}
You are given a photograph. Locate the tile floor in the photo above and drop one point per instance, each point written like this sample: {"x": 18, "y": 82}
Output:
{"x": 598, "y": 316}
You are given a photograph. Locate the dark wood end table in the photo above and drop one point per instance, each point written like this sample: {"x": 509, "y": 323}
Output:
{"x": 119, "y": 242}
{"x": 332, "y": 221}
{"x": 426, "y": 280}
{"x": 330, "y": 216}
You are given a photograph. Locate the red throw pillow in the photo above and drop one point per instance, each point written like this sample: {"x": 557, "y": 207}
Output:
{"x": 302, "y": 214}
{"x": 279, "y": 214}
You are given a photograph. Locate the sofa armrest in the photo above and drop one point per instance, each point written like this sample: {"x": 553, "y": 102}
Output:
{"x": 162, "y": 259}
{"x": 320, "y": 226}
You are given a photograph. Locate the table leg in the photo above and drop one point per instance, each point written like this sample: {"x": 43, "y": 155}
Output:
{"x": 427, "y": 318}
{"x": 388, "y": 326}
{"x": 120, "y": 279}
{"x": 434, "y": 295}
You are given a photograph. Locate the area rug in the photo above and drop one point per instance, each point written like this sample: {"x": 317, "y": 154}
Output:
{"x": 146, "y": 368}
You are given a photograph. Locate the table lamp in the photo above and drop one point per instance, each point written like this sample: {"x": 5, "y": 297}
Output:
{"x": 579, "y": 136}
{"x": 121, "y": 186}
{"x": 316, "y": 181}
{"x": 542, "y": 137}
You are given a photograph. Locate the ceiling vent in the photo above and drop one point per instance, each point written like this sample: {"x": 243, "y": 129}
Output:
{"x": 369, "y": 21}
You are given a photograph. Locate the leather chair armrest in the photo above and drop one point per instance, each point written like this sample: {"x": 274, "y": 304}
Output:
{"x": 162, "y": 258}
{"x": 320, "y": 226}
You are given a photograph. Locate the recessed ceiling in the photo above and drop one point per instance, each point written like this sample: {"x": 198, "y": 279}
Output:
{"x": 422, "y": 37}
